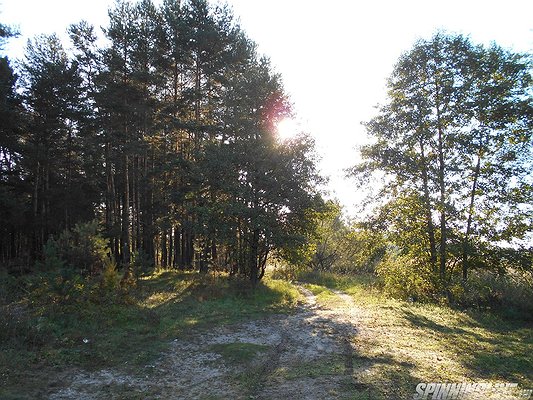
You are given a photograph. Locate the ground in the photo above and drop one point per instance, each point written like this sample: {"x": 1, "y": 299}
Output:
{"x": 319, "y": 339}
{"x": 304, "y": 355}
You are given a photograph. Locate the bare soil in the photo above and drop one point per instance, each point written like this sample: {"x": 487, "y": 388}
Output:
{"x": 304, "y": 355}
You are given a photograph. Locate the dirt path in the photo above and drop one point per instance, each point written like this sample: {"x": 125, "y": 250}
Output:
{"x": 305, "y": 355}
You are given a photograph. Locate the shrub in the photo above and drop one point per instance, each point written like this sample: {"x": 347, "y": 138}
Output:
{"x": 18, "y": 325}
{"x": 51, "y": 259}
{"x": 511, "y": 290}
{"x": 405, "y": 277}
{"x": 287, "y": 271}
{"x": 82, "y": 248}
{"x": 110, "y": 280}
{"x": 141, "y": 263}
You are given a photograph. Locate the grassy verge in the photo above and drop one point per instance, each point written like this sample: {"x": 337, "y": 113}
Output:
{"x": 400, "y": 344}
{"x": 88, "y": 328}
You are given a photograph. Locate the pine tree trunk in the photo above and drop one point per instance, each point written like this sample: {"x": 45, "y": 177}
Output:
{"x": 254, "y": 266}
{"x": 164, "y": 254}
{"x": 170, "y": 262}
{"x": 126, "y": 217}
{"x": 177, "y": 248}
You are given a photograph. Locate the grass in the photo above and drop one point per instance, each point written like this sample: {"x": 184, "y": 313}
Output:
{"x": 90, "y": 329}
{"x": 323, "y": 294}
{"x": 239, "y": 353}
{"x": 400, "y": 344}
{"x": 327, "y": 365}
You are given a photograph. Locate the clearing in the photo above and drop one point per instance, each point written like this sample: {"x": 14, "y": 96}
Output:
{"x": 304, "y": 355}
{"x": 327, "y": 338}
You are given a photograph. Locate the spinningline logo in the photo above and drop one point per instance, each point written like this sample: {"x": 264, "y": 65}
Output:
{"x": 470, "y": 391}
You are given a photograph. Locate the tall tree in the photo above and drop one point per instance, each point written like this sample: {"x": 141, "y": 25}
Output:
{"x": 12, "y": 199}
{"x": 170, "y": 132}
{"x": 457, "y": 115}
{"x": 51, "y": 95}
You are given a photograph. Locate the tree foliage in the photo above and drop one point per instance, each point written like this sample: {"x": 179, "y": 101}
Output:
{"x": 342, "y": 246}
{"x": 454, "y": 146}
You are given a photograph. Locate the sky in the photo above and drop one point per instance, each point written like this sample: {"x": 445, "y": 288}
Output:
{"x": 334, "y": 56}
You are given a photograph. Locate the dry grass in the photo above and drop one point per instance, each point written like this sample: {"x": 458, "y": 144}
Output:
{"x": 400, "y": 344}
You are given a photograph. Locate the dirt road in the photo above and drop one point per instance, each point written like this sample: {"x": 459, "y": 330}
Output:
{"x": 305, "y": 355}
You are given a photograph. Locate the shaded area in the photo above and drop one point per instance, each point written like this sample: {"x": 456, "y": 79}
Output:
{"x": 400, "y": 344}
{"x": 485, "y": 344}
{"x": 186, "y": 336}
{"x": 307, "y": 354}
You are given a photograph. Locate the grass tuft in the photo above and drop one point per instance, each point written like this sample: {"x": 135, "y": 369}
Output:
{"x": 238, "y": 352}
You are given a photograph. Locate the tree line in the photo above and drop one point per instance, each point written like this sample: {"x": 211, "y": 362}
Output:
{"x": 165, "y": 133}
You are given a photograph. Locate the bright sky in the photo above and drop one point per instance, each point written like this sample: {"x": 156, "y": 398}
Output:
{"x": 334, "y": 56}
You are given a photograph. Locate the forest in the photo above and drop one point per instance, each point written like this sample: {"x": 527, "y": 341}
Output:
{"x": 165, "y": 138}
{"x": 146, "y": 198}
{"x": 162, "y": 144}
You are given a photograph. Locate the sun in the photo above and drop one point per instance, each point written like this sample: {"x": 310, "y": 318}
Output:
{"x": 287, "y": 128}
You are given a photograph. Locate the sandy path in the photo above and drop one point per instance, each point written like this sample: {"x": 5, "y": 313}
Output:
{"x": 307, "y": 355}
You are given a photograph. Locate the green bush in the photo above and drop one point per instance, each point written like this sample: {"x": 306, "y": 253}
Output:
{"x": 405, "y": 277}
{"x": 19, "y": 326}
{"x": 83, "y": 248}
{"x": 51, "y": 259}
{"x": 287, "y": 271}
{"x": 141, "y": 263}
{"x": 10, "y": 289}
{"x": 342, "y": 247}
{"x": 511, "y": 291}
{"x": 62, "y": 275}
{"x": 110, "y": 276}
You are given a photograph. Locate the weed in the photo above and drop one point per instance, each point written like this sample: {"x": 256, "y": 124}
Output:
{"x": 331, "y": 365}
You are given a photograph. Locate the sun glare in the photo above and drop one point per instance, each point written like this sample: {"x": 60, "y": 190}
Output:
{"x": 287, "y": 128}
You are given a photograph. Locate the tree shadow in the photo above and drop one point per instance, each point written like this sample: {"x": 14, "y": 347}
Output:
{"x": 322, "y": 361}
{"x": 488, "y": 346}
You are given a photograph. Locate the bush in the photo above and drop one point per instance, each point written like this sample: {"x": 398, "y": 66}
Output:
{"x": 287, "y": 271}
{"x": 110, "y": 276}
{"x": 512, "y": 291}
{"x": 18, "y": 325}
{"x": 51, "y": 259}
{"x": 10, "y": 289}
{"x": 342, "y": 247}
{"x": 82, "y": 248}
{"x": 141, "y": 263}
{"x": 407, "y": 278}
